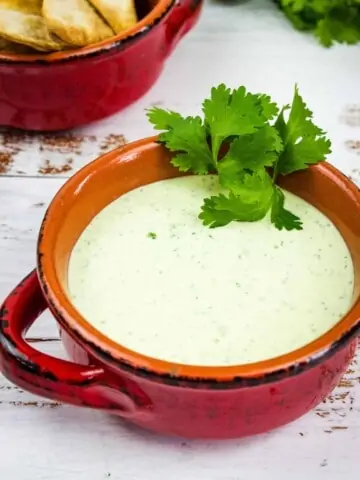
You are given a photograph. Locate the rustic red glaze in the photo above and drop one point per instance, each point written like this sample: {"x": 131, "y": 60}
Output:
{"x": 59, "y": 91}
{"x": 184, "y": 400}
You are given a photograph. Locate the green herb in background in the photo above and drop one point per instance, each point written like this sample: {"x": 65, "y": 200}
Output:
{"x": 260, "y": 144}
{"x": 332, "y": 21}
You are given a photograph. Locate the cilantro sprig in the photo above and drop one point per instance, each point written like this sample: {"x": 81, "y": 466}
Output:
{"x": 240, "y": 139}
{"x": 332, "y": 21}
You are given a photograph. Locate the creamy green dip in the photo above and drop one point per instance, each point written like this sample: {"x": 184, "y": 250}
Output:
{"x": 150, "y": 276}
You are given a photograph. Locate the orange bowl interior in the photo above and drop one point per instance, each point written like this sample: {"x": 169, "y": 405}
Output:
{"x": 144, "y": 162}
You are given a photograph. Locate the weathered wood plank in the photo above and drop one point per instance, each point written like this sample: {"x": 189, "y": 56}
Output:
{"x": 22, "y": 205}
{"x": 250, "y": 44}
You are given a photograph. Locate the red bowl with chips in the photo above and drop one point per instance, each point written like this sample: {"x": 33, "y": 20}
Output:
{"x": 58, "y": 91}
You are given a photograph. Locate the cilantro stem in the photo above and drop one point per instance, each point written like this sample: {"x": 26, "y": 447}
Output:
{"x": 274, "y": 175}
{"x": 216, "y": 144}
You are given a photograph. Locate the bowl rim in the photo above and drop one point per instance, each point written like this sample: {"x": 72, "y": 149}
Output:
{"x": 141, "y": 28}
{"x": 105, "y": 348}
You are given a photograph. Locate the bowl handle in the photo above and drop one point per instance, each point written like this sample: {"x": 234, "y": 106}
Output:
{"x": 41, "y": 374}
{"x": 182, "y": 17}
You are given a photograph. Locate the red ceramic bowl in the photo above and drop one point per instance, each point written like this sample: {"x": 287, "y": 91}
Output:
{"x": 190, "y": 401}
{"x": 59, "y": 91}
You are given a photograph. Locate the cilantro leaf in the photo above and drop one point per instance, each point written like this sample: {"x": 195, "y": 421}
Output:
{"x": 211, "y": 216}
{"x": 341, "y": 25}
{"x": 187, "y": 137}
{"x": 249, "y": 203}
{"x": 249, "y": 153}
{"x": 163, "y": 119}
{"x": 267, "y": 109}
{"x": 281, "y": 217}
{"x": 232, "y": 113}
{"x": 304, "y": 143}
{"x": 300, "y": 119}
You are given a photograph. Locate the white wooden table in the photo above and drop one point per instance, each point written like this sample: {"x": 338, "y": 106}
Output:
{"x": 250, "y": 44}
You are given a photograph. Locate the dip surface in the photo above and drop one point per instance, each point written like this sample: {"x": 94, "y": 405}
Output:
{"x": 150, "y": 276}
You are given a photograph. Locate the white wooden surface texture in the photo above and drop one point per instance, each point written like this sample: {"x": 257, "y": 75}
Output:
{"x": 248, "y": 44}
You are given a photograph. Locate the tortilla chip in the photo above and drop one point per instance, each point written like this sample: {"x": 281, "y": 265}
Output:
{"x": 75, "y": 22}
{"x": 27, "y": 29}
{"x": 119, "y": 14}
{"x": 25, "y": 6}
{"x": 11, "y": 47}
